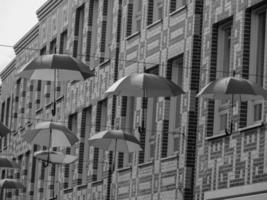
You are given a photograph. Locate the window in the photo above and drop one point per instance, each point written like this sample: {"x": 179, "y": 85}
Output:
{"x": 134, "y": 17}
{"x": 63, "y": 42}
{"x": 3, "y": 109}
{"x": 106, "y": 31}
{"x": 92, "y": 33}
{"x": 169, "y": 141}
{"x": 101, "y": 123}
{"x": 224, "y": 49}
{"x": 8, "y": 104}
{"x": 176, "y": 4}
{"x": 53, "y": 46}
{"x": 257, "y": 112}
{"x": 43, "y": 51}
{"x": 257, "y": 59}
{"x": 220, "y": 65}
{"x": 78, "y": 32}
{"x": 69, "y": 169}
{"x": 147, "y": 136}
{"x": 223, "y": 121}
{"x": 150, "y": 13}
{"x": 83, "y": 146}
{"x": 155, "y": 11}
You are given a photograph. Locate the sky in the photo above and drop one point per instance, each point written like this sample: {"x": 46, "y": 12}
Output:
{"x": 17, "y": 17}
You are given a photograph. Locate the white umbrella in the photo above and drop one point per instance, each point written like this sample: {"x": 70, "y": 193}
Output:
{"x": 230, "y": 88}
{"x": 55, "y": 157}
{"x": 7, "y": 163}
{"x": 50, "y": 134}
{"x": 144, "y": 85}
{"x": 115, "y": 140}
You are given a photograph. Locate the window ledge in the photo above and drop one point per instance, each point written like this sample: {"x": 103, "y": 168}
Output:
{"x": 146, "y": 163}
{"x": 104, "y": 63}
{"x": 124, "y": 168}
{"x": 98, "y": 182}
{"x": 38, "y": 110}
{"x": 132, "y": 35}
{"x": 178, "y": 10}
{"x": 171, "y": 157}
{"x": 253, "y": 126}
{"x": 154, "y": 23}
{"x": 59, "y": 98}
{"x": 217, "y": 136}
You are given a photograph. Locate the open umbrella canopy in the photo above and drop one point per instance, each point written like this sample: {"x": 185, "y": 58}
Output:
{"x": 7, "y": 163}
{"x": 144, "y": 85}
{"x": 3, "y": 130}
{"x": 11, "y": 184}
{"x": 55, "y": 157}
{"x": 231, "y": 88}
{"x": 50, "y": 134}
{"x": 115, "y": 140}
{"x": 67, "y": 67}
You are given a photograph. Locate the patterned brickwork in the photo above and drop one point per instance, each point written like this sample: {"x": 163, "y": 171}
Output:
{"x": 234, "y": 161}
{"x": 167, "y": 167}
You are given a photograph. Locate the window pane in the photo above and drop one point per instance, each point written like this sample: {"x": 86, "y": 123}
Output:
{"x": 223, "y": 121}
{"x": 260, "y": 48}
{"x": 258, "y": 112}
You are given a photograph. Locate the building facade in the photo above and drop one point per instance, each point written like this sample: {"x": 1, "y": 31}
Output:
{"x": 116, "y": 38}
{"x": 233, "y": 44}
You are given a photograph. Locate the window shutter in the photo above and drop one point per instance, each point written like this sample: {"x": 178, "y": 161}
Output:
{"x": 129, "y": 19}
{"x": 245, "y": 70}
{"x": 212, "y": 76}
{"x": 150, "y": 12}
{"x": 164, "y": 139}
{"x": 172, "y": 5}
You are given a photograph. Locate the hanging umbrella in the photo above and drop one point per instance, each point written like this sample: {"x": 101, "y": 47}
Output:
{"x": 7, "y": 163}
{"x": 55, "y": 67}
{"x": 144, "y": 85}
{"x": 234, "y": 89}
{"x": 67, "y": 68}
{"x": 50, "y": 134}
{"x": 11, "y": 184}
{"x": 231, "y": 88}
{"x": 55, "y": 157}
{"x": 3, "y": 130}
{"x": 115, "y": 140}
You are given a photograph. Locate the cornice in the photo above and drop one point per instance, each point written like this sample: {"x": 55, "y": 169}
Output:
{"x": 26, "y": 39}
{"x": 8, "y": 69}
{"x": 46, "y": 8}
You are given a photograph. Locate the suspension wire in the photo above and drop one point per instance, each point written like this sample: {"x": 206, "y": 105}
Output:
{"x": 91, "y": 125}
{"x": 136, "y": 61}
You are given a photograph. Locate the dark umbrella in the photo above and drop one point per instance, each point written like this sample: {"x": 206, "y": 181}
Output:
{"x": 233, "y": 89}
{"x": 56, "y": 67}
{"x": 10, "y": 184}
{"x": 3, "y": 130}
{"x": 7, "y": 163}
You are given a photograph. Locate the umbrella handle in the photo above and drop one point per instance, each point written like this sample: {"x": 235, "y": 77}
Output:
{"x": 45, "y": 163}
